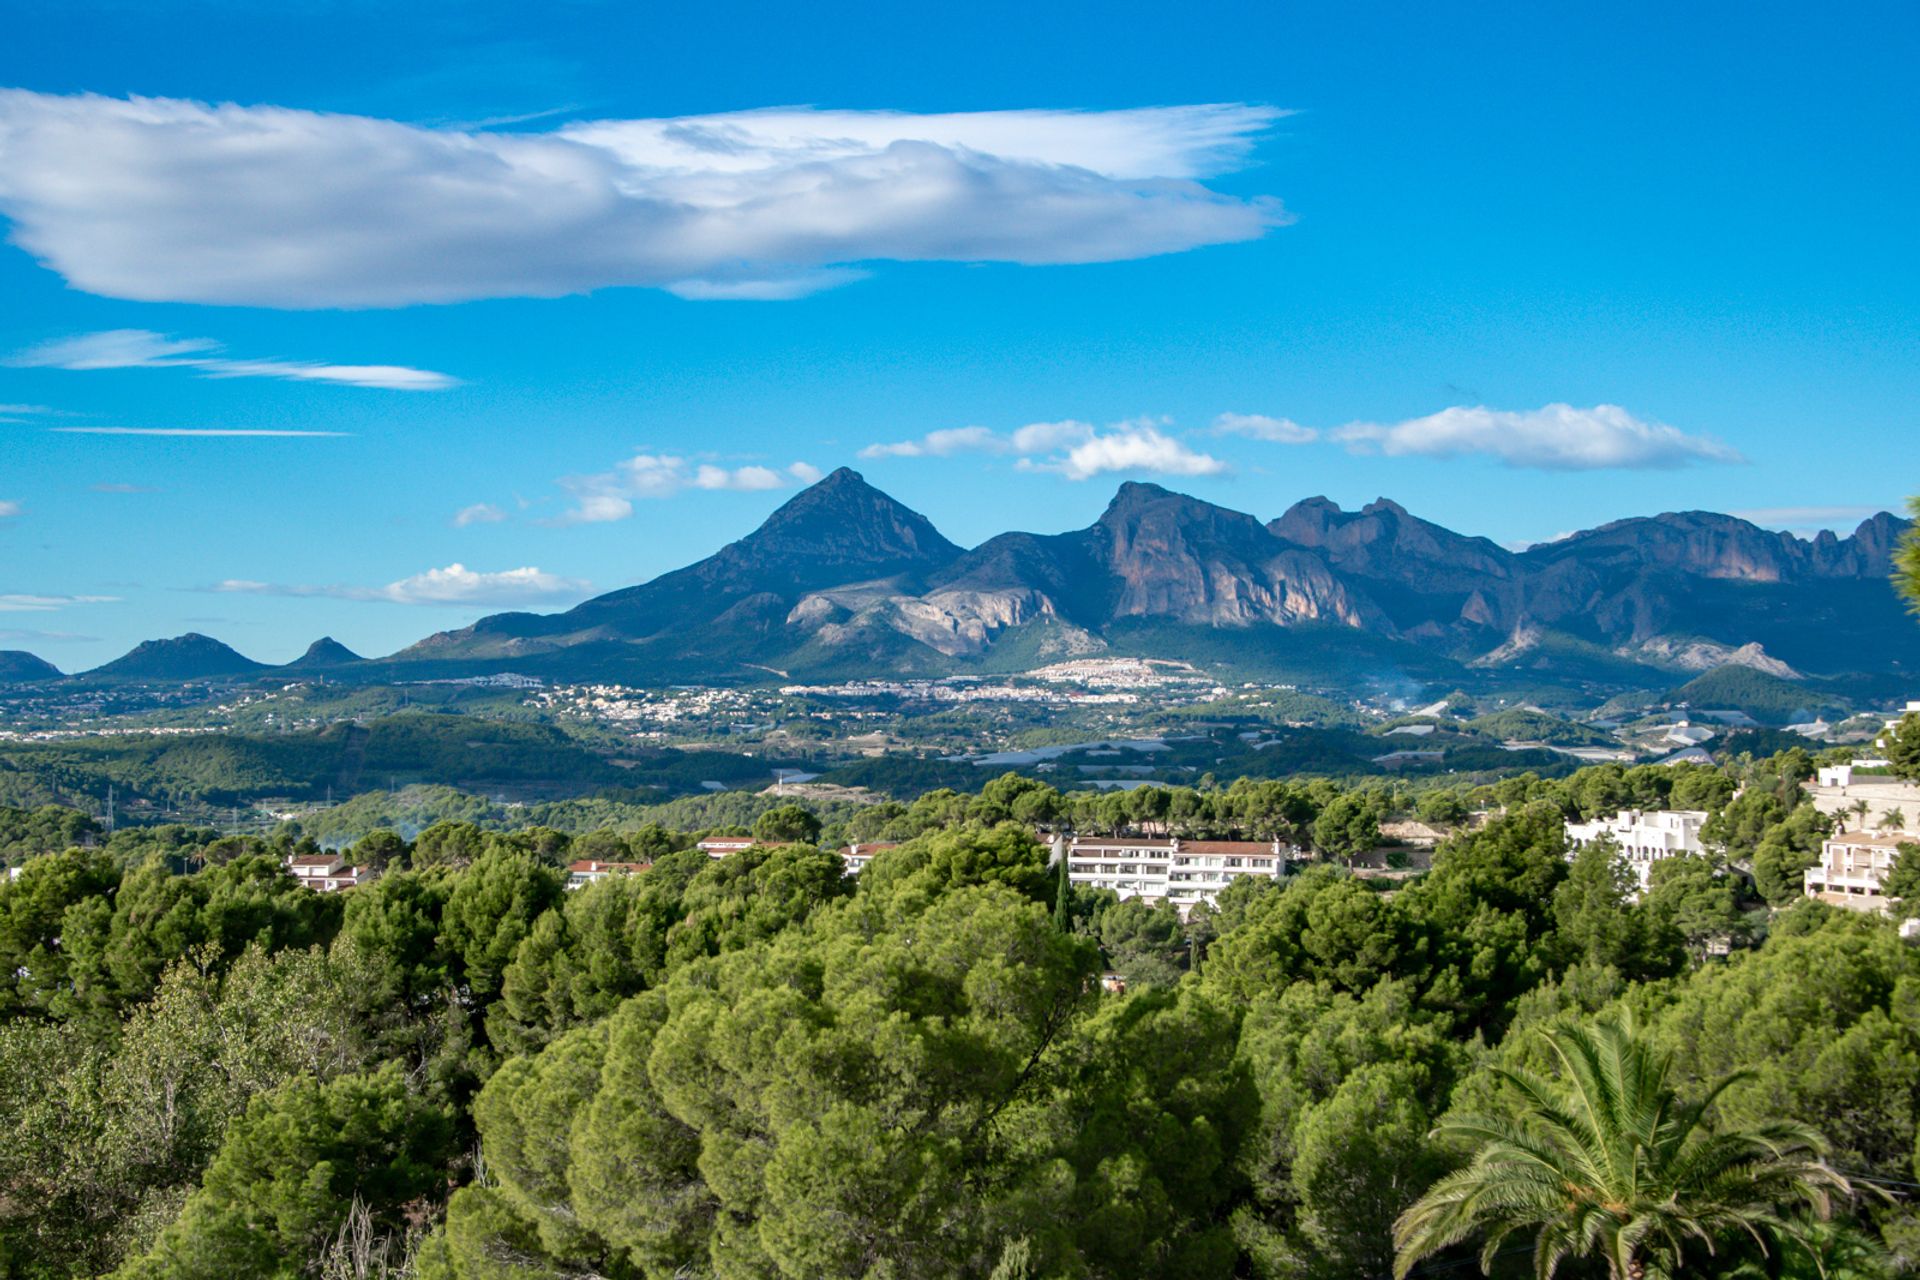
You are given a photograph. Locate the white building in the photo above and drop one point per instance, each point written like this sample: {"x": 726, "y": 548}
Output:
{"x": 721, "y": 846}
{"x": 326, "y": 872}
{"x": 1643, "y": 836}
{"x": 1853, "y": 870}
{"x": 1181, "y": 871}
{"x": 857, "y": 856}
{"x": 586, "y": 871}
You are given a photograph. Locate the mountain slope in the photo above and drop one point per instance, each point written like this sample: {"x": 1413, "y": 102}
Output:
{"x": 188, "y": 657}
{"x": 838, "y": 531}
{"x": 324, "y": 653}
{"x": 17, "y": 666}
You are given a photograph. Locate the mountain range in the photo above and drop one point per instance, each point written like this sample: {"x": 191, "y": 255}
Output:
{"x": 843, "y": 580}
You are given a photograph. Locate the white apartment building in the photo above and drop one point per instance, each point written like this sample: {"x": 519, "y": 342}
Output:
{"x": 1181, "y": 871}
{"x": 1853, "y": 870}
{"x": 1644, "y": 836}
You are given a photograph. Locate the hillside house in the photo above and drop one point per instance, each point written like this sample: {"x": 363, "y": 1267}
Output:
{"x": 587, "y": 871}
{"x": 857, "y": 856}
{"x": 1853, "y": 870}
{"x": 1643, "y": 836}
{"x": 327, "y": 872}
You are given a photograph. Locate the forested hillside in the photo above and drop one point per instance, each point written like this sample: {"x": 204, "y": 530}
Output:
{"x": 760, "y": 1066}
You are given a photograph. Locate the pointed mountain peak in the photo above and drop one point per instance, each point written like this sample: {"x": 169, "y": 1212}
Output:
{"x": 326, "y": 652}
{"x": 844, "y": 520}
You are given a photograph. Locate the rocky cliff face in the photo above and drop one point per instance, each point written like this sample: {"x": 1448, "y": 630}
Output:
{"x": 1183, "y": 560}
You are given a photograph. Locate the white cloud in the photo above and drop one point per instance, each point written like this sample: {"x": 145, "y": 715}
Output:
{"x": 455, "y": 584}
{"x": 1131, "y": 447}
{"x": 1042, "y": 437}
{"x": 1258, "y": 426}
{"x": 478, "y": 513}
{"x": 230, "y": 432}
{"x": 117, "y": 487}
{"x": 940, "y": 444}
{"x": 145, "y": 349}
{"x": 168, "y": 200}
{"x": 610, "y": 495}
{"x": 743, "y": 479}
{"x": 9, "y": 509}
{"x": 1558, "y": 437}
{"x": 20, "y": 603}
{"x": 1077, "y": 450}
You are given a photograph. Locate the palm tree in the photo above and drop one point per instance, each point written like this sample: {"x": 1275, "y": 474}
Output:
{"x": 1894, "y": 820}
{"x": 1860, "y": 808}
{"x": 1607, "y": 1163}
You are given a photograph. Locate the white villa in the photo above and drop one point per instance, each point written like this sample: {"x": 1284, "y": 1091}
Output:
{"x": 857, "y": 856}
{"x": 1853, "y": 870}
{"x": 587, "y": 871}
{"x": 327, "y": 872}
{"x": 1644, "y": 836}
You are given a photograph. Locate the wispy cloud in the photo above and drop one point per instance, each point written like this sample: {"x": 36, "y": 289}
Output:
{"x": 1814, "y": 517}
{"x": 609, "y": 495}
{"x": 145, "y": 349}
{"x": 455, "y": 584}
{"x": 478, "y": 513}
{"x": 123, "y": 488}
{"x": 1556, "y": 437}
{"x": 229, "y": 432}
{"x": 1258, "y": 426}
{"x": 1077, "y": 450}
{"x": 268, "y": 206}
{"x": 24, "y": 603}
{"x": 9, "y": 509}
{"x": 941, "y": 444}
{"x": 17, "y": 635}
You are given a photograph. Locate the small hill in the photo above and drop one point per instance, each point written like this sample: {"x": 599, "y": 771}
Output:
{"x": 1525, "y": 724}
{"x": 188, "y": 657}
{"x": 17, "y": 666}
{"x": 1766, "y": 698}
{"x": 323, "y": 653}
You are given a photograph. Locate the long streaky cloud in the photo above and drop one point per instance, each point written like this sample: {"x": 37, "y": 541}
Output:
{"x": 454, "y": 585}
{"x": 235, "y": 432}
{"x": 145, "y": 349}
{"x": 17, "y": 602}
{"x": 160, "y": 199}
{"x": 1556, "y": 437}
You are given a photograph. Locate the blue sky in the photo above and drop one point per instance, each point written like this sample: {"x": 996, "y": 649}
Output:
{"x": 1522, "y": 268}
